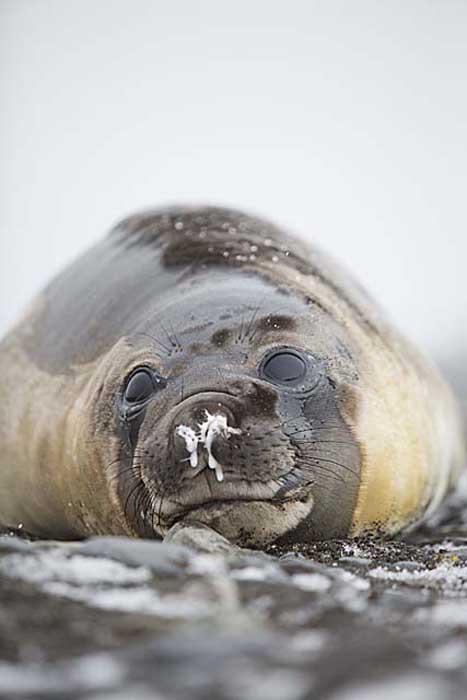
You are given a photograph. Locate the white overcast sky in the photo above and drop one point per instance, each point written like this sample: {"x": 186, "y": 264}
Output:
{"x": 346, "y": 121}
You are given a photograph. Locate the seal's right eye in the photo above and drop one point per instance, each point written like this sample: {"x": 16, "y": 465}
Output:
{"x": 140, "y": 387}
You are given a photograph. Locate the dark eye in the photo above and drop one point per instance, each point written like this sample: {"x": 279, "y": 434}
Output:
{"x": 140, "y": 387}
{"x": 284, "y": 367}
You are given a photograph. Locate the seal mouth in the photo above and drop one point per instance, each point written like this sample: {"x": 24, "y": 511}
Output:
{"x": 211, "y": 507}
{"x": 218, "y": 505}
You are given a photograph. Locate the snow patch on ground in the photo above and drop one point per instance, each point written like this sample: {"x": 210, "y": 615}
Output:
{"x": 96, "y": 672}
{"x": 51, "y": 565}
{"x": 99, "y": 582}
{"x": 412, "y": 687}
{"x": 317, "y": 583}
{"x": 450, "y": 578}
{"x": 450, "y": 656}
{"x": 266, "y": 572}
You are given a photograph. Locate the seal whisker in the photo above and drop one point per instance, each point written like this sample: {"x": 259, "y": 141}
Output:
{"x": 148, "y": 504}
{"x": 159, "y": 511}
{"x": 325, "y": 428}
{"x": 158, "y": 341}
{"x": 283, "y": 499}
{"x": 150, "y": 337}
{"x": 169, "y": 337}
{"x": 315, "y": 444}
{"x": 240, "y": 334}
{"x": 297, "y": 432}
{"x": 139, "y": 504}
{"x": 178, "y": 344}
{"x": 136, "y": 488}
{"x": 253, "y": 317}
{"x": 312, "y": 430}
{"x": 152, "y": 505}
{"x": 333, "y": 442}
{"x": 172, "y": 338}
{"x": 147, "y": 508}
{"x": 273, "y": 312}
{"x": 337, "y": 464}
{"x": 121, "y": 472}
{"x": 112, "y": 463}
{"x": 328, "y": 472}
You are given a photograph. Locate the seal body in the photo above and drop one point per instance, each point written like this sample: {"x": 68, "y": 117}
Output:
{"x": 203, "y": 365}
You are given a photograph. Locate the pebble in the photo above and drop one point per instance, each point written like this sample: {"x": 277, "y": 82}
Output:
{"x": 161, "y": 558}
{"x": 403, "y": 566}
{"x": 356, "y": 562}
{"x": 199, "y": 538}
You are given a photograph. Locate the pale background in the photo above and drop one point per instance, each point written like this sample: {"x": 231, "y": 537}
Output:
{"x": 346, "y": 121}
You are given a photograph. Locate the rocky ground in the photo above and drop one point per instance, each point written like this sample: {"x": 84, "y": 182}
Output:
{"x": 112, "y": 618}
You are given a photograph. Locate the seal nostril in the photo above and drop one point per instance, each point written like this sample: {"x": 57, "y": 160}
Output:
{"x": 192, "y": 411}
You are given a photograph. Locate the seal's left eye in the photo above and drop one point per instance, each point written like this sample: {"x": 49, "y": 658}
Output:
{"x": 284, "y": 367}
{"x": 140, "y": 387}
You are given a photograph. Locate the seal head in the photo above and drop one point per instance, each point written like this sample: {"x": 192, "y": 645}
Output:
{"x": 228, "y": 418}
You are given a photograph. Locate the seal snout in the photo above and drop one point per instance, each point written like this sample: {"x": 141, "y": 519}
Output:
{"x": 200, "y": 427}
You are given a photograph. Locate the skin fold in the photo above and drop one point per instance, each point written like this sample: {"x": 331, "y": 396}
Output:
{"x": 337, "y": 426}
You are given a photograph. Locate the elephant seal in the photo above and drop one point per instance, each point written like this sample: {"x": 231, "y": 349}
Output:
{"x": 201, "y": 365}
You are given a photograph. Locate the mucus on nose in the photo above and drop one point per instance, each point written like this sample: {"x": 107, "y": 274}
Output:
{"x": 191, "y": 443}
{"x": 212, "y": 426}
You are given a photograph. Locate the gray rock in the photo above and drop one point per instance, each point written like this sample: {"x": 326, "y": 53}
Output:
{"x": 403, "y": 566}
{"x": 460, "y": 552}
{"x": 356, "y": 562}
{"x": 10, "y": 543}
{"x": 200, "y": 538}
{"x": 338, "y": 619}
{"x": 161, "y": 557}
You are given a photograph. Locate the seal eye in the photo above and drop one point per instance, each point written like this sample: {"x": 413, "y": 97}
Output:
{"x": 284, "y": 367}
{"x": 140, "y": 387}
